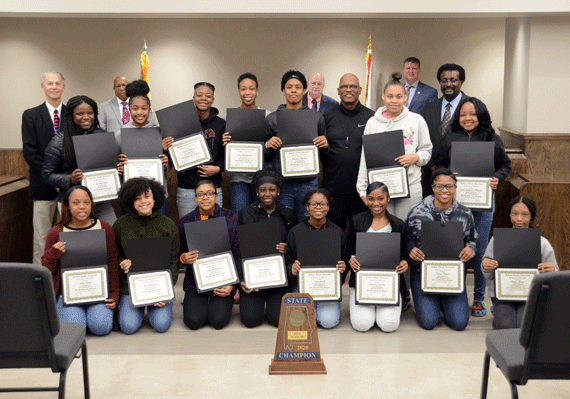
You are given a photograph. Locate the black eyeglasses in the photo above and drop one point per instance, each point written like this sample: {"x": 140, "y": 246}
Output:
{"x": 209, "y": 194}
{"x": 318, "y": 204}
{"x": 442, "y": 186}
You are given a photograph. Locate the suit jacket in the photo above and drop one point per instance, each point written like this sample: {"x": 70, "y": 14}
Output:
{"x": 327, "y": 103}
{"x": 37, "y": 131}
{"x": 110, "y": 119}
{"x": 422, "y": 97}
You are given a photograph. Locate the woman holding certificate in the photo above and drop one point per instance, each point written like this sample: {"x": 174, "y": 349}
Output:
{"x": 377, "y": 220}
{"x": 417, "y": 144}
{"x": 60, "y": 164}
{"x": 213, "y": 307}
{"x": 143, "y": 198}
{"x": 440, "y": 207}
{"x": 78, "y": 214}
{"x": 255, "y": 303}
{"x": 508, "y": 314}
{"x": 473, "y": 123}
{"x": 317, "y": 204}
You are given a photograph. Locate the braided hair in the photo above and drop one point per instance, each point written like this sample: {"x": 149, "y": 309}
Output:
{"x": 70, "y": 129}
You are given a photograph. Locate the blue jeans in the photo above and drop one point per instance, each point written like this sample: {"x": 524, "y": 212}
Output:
{"x": 186, "y": 200}
{"x": 164, "y": 209}
{"x": 326, "y": 313}
{"x": 429, "y": 306}
{"x": 292, "y": 194}
{"x": 98, "y": 318}
{"x": 483, "y": 222}
{"x": 241, "y": 195}
{"x": 130, "y": 319}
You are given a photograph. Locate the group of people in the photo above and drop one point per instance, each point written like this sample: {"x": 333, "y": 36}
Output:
{"x": 429, "y": 126}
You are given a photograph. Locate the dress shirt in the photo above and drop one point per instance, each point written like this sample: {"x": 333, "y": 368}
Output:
{"x": 310, "y": 101}
{"x": 454, "y": 103}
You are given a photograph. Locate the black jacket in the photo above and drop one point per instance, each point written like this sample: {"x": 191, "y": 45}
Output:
{"x": 341, "y": 164}
{"x": 213, "y": 127}
{"x": 253, "y": 213}
{"x": 361, "y": 223}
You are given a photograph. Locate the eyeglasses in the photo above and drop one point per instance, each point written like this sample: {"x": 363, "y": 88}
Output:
{"x": 446, "y": 81}
{"x": 117, "y": 86}
{"x": 345, "y": 87}
{"x": 318, "y": 204}
{"x": 209, "y": 194}
{"x": 442, "y": 186}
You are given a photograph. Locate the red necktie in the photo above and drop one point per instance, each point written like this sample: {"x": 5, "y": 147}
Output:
{"x": 55, "y": 122}
{"x": 126, "y": 116}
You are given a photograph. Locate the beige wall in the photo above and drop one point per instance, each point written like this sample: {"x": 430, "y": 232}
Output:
{"x": 91, "y": 52}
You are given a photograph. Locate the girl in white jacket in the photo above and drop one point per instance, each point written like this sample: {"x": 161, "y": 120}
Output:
{"x": 417, "y": 144}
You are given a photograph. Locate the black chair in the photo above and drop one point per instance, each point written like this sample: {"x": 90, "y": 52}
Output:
{"x": 31, "y": 335}
{"x": 540, "y": 349}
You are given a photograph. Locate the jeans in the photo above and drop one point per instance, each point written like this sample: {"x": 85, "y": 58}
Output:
{"x": 429, "y": 306}
{"x": 241, "y": 195}
{"x": 292, "y": 194}
{"x": 186, "y": 200}
{"x": 483, "y": 222}
{"x": 130, "y": 319}
{"x": 98, "y": 318}
{"x": 326, "y": 313}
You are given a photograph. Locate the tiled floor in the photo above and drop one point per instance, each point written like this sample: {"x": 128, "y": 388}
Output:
{"x": 233, "y": 363}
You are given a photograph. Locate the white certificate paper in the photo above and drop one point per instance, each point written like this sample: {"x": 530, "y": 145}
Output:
{"x": 512, "y": 284}
{"x": 189, "y": 152}
{"x": 298, "y": 161}
{"x": 443, "y": 276}
{"x": 265, "y": 272}
{"x": 323, "y": 283}
{"x": 84, "y": 286}
{"x": 377, "y": 287}
{"x": 103, "y": 184}
{"x": 215, "y": 272}
{"x": 396, "y": 179}
{"x": 148, "y": 288}
{"x": 244, "y": 157}
{"x": 149, "y": 168}
{"x": 474, "y": 192}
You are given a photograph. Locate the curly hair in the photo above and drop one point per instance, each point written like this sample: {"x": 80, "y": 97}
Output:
{"x": 261, "y": 176}
{"x": 65, "y": 217}
{"x": 138, "y": 88}
{"x": 136, "y": 186}
{"x": 69, "y": 129}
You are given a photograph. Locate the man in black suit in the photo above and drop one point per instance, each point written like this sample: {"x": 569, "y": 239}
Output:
{"x": 39, "y": 125}
{"x": 439, "y": 114}
{"x": 314, "y": 97}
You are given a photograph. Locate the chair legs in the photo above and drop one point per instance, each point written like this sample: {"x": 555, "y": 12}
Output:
{"x": 61, "y": 389}
{"x": 514, "y": 391}
{"x": 85, "y": 370}
{"x": 485, "y": 381}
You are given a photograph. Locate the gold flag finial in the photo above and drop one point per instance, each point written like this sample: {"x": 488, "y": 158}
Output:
{"x": 145, "y": 48}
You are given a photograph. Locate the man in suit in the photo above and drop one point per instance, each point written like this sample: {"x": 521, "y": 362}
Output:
{"x": 419, "y": 94}
{"x": 439, "y": 114}
{"x": 114, "y": 114}
{"x": 39, "y": 125}
{"x": 314, "y": 97}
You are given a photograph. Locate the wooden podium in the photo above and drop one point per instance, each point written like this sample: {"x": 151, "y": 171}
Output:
{"x": 297, "y": 348}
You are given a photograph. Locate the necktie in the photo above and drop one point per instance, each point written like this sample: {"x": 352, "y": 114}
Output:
{"x": 126, "y": 115}
{"x": 315, "y": 105}
{"x": 446, "y": 119}
{"x": 408, "y": 87}
{"x": 55, "y": 122}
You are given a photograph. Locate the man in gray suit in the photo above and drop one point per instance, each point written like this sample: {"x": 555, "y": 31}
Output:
{"x": 114, "y": 114}
{"x": 419, "y": 94}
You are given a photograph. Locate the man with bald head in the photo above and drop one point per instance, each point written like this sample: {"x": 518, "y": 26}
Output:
{"x": 314, "y": 97}
{"x": 114, "y": 114}
{"x": 345, "y": 126}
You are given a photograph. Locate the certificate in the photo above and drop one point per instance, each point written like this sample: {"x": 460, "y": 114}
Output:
{"x": 148, "y": 288}
{"x": 103, "y": 184}
{"x": 149, "y": 168}
{"x": 189, "y": 152}
{"x": 299, "y": 161}
{"x": 244, "y": 157}
{"x": 442, "y": 277}
{"x": 215, "y": 271}
{"x": 323, "y": 283}
{"x": 84, "y": 286}
{"x": 474, "y": 192}
{"x": 513, "y": 284}
{"x": 377, "y": 287}
{"x": 265, "y": 272}
{"x": 395, "y": 178}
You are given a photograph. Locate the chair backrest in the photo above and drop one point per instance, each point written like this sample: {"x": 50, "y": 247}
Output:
{"x": 545, "y": 330}
{"x": 28, "y": 316}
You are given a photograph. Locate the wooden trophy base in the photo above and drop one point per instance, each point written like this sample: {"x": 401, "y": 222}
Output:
{"x": 297, "y": 367}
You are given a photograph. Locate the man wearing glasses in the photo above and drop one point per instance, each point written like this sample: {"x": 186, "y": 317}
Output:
{"x": 114, "y": 114}
{"x": 439, "y": 114}
{"x": 345, "y": 126}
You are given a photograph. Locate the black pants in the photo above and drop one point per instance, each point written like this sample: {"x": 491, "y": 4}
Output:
{"x": 343, "y": 208}
{"x": 202, "y": 308}
{"x": 253, "y": 306}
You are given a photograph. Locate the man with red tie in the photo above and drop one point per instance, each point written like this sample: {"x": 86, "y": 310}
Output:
{"x": 39, "y": 125}
{"x": 114, "y": 114}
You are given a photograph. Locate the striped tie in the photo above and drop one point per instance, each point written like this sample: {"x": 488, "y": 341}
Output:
{"x": 446, "y": 119}
{"x": 126, "y": 116}
{"x": 408, "y": 87}
{"x": 55, "y": 122}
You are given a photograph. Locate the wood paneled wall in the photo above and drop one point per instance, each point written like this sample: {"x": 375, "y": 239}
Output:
{"x": 12, "y": 163}
{"x": 16, "y": 222}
